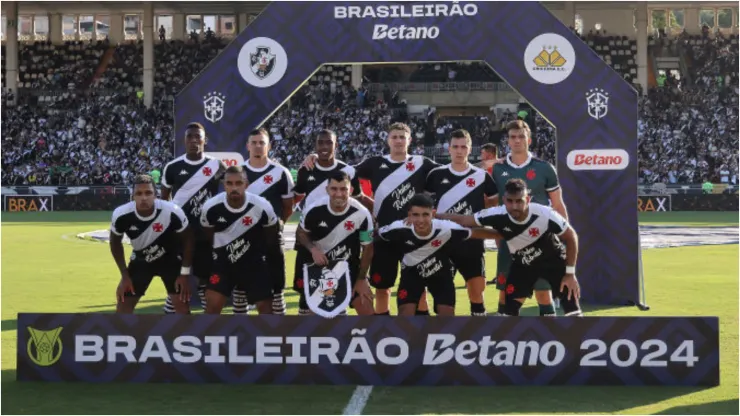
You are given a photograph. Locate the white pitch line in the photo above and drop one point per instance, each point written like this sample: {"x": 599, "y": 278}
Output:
{"x": 358, "y": 400}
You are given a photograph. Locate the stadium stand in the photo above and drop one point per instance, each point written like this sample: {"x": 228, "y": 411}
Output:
{"x": 78, "y": 112}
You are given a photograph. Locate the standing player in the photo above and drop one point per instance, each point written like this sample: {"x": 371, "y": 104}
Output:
{"x": 273, "y": 182}
{"x": 533, "y": 233}
{"x": 542, "y": 180}
{"x": 488, "y": 154}
{"x": 311, "y": 185}
{"x": 426, "y": 245}
{"x": 338, "y": 227}
{"x": 242, "y": 228}
{"x": 191, "y": 180}
{"x": 159, "y": 233}
{"x": 461, "y": 188}
{"x": 395, "y": 179}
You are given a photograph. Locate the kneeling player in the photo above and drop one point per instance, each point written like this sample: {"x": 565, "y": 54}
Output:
{"x": 338, "y": 227}
{"x": 535, "y": 235}
{"x": 158, "y": 231}
{"x": 242, "y": 228}
{"x": 425, "y": 245}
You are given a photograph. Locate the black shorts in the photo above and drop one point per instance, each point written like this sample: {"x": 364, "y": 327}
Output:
{"x": 384, "y": 267}
{"x": 522, "y": 279}
{"x": 441, "y": 286}
{"x": 253, "y": 279}
{"x": 202, "y": 261}
{"x": 276, "y": 264}
{"x": 468, "y": 259}
{"x": 142, "y": 273}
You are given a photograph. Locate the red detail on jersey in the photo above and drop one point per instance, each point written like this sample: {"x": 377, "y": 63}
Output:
{"x": 247, "y": 221}
{"x": 402, "y": 294}
{"x": 330, "y": 283}
{"x": 377, "y": 278}
{"x": 509, "y": 289}
{"x": 436, "y": 243}
{"x": 299, "y": 283}
{"x": 214, "y": 279}
{"x": 349, "y": 225}
{"x": 157, "y": 227}
{"x": 267, "y": 179}
{"x": 531, "y": 174}
{"x": 501, "y": 279}
{"x": 470, "y": 182}
{"x": 207, "y": 171}
{"x": 534, "y": 232}
{"x": 410, "y": 166}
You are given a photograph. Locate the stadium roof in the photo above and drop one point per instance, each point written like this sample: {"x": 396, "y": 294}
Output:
{"x": 253, "y": 7}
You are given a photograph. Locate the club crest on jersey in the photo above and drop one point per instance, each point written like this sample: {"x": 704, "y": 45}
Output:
{"x": 436, "y": 243}
{"x": 157, "y": 227}
{"x": 207, "y": 171}
{"x": 213, "y": 106}
{"x": 262, "y": 62}
{"x": 531, "y": 174}
{"x": 328, "y": 289}
{"x": 349, "y": 225}
{"x": 410, "y": 166}
{"x": 247, "y": 221}
{"x": 267, "y": 179}
{"x": 534, "y": 232}
{"x": 470, "y": 182}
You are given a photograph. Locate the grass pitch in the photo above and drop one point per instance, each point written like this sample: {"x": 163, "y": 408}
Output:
{"x": 45, "y": 268}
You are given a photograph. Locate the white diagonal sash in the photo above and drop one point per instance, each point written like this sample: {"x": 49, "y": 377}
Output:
{"x": 195, "y": 183}
{"x": 525, "y": 239}
{"x": 149, "y": 236}
{"x": 339, "y": 233}
{"x": 427, "y": 250}
{"x": 392, "y": 181}
{"x": 259, "y": 187}
{"x": 460, "y": 191}
{"x": 237, "y": 228}
{"x": 316, "y": 194}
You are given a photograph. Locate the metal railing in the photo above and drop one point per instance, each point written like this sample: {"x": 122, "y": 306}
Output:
{"x": 439, "y": 86}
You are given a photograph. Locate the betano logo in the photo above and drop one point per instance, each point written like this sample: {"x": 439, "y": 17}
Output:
{"x": 44, "y": 347}
{"x": 598, "y": 159}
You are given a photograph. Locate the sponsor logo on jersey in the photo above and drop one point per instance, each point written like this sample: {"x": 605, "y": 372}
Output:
{"x": 549, "y": 58}
{"x": 598, "y": 159}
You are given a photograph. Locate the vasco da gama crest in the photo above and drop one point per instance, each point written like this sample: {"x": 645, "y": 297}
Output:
{"x": 262, "y": 62}
{"x": 328, "y": 289}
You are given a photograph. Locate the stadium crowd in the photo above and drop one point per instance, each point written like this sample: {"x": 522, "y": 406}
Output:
{"x": 92, "y": 128}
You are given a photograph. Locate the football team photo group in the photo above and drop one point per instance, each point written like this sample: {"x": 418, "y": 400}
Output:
{"x": 422, "y": 224}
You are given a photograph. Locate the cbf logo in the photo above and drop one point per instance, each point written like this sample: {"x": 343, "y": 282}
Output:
{"x": 328, "y": 288}
{"x": 598, "y": 103}
{"x": 44, "y": 348}
{"x": 262, "y": 62}
{"x": 213, "y": 106}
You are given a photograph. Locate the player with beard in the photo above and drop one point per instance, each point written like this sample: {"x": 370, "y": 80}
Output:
{"x": 310, "y": 187}
{"x": 425, "y": 245}
{"x": 159, "y": 232}
{"x": 338, "y": 227}
{"x": 461, "y": 188}
{"x": 190, "y": 180}
{"x": 273, "y": 182}
{"x": 542, "y": 245}
{"x": 395, "y": 179}
{"x": 544, "y": 188}
{"x": 242, "y": 229}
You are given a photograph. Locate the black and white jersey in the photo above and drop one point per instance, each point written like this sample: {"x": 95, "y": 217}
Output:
{"x": 532, "y": 242}
{"x": 272, "y": 182}
{"x": 238, "y": 232}
{"x": 152, "y": 237}
{"x": 428, "y": 255}
{"x": 192, "y": 183}
{"x": 394, "y": 183}
{"x": 339, "y": 234}
{"x": 312, "y": 183}
{"x": 460, "y": 192}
